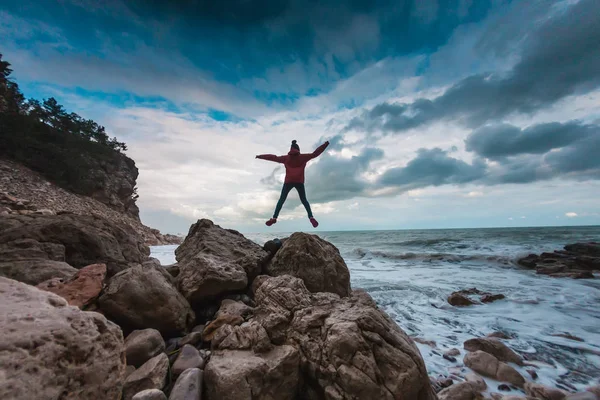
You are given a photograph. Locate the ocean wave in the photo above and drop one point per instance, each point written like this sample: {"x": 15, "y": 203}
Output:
{"x": 428, "y": 257}
{"x": 425, "y": 242}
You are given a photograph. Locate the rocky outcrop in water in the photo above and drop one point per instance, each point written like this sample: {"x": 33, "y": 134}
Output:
{"x": 468, "y": 297}
{"x": 578, "y": 261}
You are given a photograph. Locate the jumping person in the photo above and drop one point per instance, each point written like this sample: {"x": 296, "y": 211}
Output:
{"x": 294, "y": 162}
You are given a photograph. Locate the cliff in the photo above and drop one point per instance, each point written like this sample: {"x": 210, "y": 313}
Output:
{"x": 23, "y": 191}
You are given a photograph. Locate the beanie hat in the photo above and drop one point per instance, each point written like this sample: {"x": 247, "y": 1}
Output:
{"x": 295, "y": 146}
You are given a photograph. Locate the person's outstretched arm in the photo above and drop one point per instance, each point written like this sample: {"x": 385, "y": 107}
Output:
{"x": 271, "y": 157}
{"x": 319, "y": 150}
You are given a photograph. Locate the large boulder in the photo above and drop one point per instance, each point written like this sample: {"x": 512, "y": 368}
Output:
{"x": 51, "y": 350}
{"x": 348, "y": 347}
{"x": 82, "y": 288}
{"x": 32, "y": 262}
{"x": 488, "y": 365}
{"x": 142, "y": 297}
{"x": 214, "y": 261}
{"x": 317, "y": 262}
{"x": 494, "y": 347}
{"x": 188, "y": 386}
{"x": 245, "y": 375}
{"x": 86, "y": 239}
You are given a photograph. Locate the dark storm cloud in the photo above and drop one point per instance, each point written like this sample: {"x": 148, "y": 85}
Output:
{"x": 340, "y": 178}
{"x": 502, "y": 140}
{"x": 432, "y": 167}
{"x": 560, "y": 58}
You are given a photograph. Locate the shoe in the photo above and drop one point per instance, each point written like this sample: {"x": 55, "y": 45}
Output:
{"x": 271, "y": 221}
{"x": 314, "y": 222}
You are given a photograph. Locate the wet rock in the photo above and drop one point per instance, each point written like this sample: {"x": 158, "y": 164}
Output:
{"x": 317, "y": 262}
{"x": 188, "y": 358}
{"x": 595, "y": 390}
{"x": 543, "y": 392}
{"x": 494, "y": 347}
{"x": 568, "y": 336}
{"x": 504, "y": 387}
{"x": 459, "y": 391}
{"x": 532, "y": 373}
{"x": 142, "y": 345}
{"x": 51, "y": 350}
{"x": 430, "y": 343}
{"x": 81, "y": 289}
{"x": 488, "y": 365}
{"x": 500, "y": 335}
{"x": 452, "y": 352}
{"x": 577, "y": 261}
{"x": 449, "y": 358}
{"x": 151, "y": 375}
{"x": 490, "y": 298}
{"x": 141, "y": 297}
{"x": 150, "y": 394}
{"x": 188, "y": 386}
{"x": 476, "y": 381}
{"x": 244, "y": 375}
{"x": 214, "y": 261}
{"x": 463, "y": 297}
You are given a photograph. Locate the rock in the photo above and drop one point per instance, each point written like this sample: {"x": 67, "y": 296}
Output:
{"x": 504, "y": 387}
{"x": 142, "y": 345}
{"x": 141, "y": 297}
{"x": 490, "y": 298}
{"x": 192, "y": 338}
{"x": 449, "y": 358}
{"x": 360, "y": 352}
{"x": 530, "y": 261}
{"x": 81, "y": 289}
{"x": 249, "y": 335}
{"x": 172, "y": 269}
{"x": 244, "y": 375}
{"x": 317, "y": 262}
{"x": 452, "y": 352}
{"x": 51, "y": 350}
{"x": 568, "y": 336}
{"x": 488, "y": 365}
{"x": 532, "y": 373}
{"x": 198, "y": 328}
{"x": 588, "y": 249}
{"x": 34, "y": 272}
{"x": 459, "y": 391}
{"x": 44, "y": 211}
{"x": 188, "y": 386}
{"x": 150, "y": 394}
{"x": 214, "y": 261}
{"x": 272, "y": 246}
{"x": 87, "y": 239}
{"x": 430, "y": 343}
{"x": 476, "y": 381}
{"x": 494, "y": 347}
{"x": 188, "y": 358}
{"x": 543, "y": 392}
{"x": 460, "y": 300}
{"x": 151, "y": 375}
{"x": 482, "y": 363}
{"x": 129, "y": 370}
{"x": 230, "y": 313}
{"x": 506, "y": 373}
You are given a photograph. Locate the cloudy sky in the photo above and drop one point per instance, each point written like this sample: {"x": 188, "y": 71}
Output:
{"x": 440, "y": 113}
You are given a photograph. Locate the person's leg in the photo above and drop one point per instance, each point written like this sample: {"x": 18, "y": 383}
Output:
{"x": 285, "y": 190}
{"x": 302, "y": 193}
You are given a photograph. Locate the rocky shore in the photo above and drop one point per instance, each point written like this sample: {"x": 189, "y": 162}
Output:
{"x": 87, "y": 314}
{"x": 577, "y": 261}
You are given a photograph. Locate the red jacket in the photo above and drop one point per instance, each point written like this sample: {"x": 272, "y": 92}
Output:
{"x": 294, "y": 162}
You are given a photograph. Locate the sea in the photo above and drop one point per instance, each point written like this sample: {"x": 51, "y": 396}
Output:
{"x": 410, "y": 274}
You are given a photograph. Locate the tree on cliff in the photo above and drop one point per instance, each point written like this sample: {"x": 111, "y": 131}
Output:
{"x": 43, "y": 136}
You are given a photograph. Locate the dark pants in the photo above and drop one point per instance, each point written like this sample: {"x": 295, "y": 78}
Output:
{"x": 284, "y": 193}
